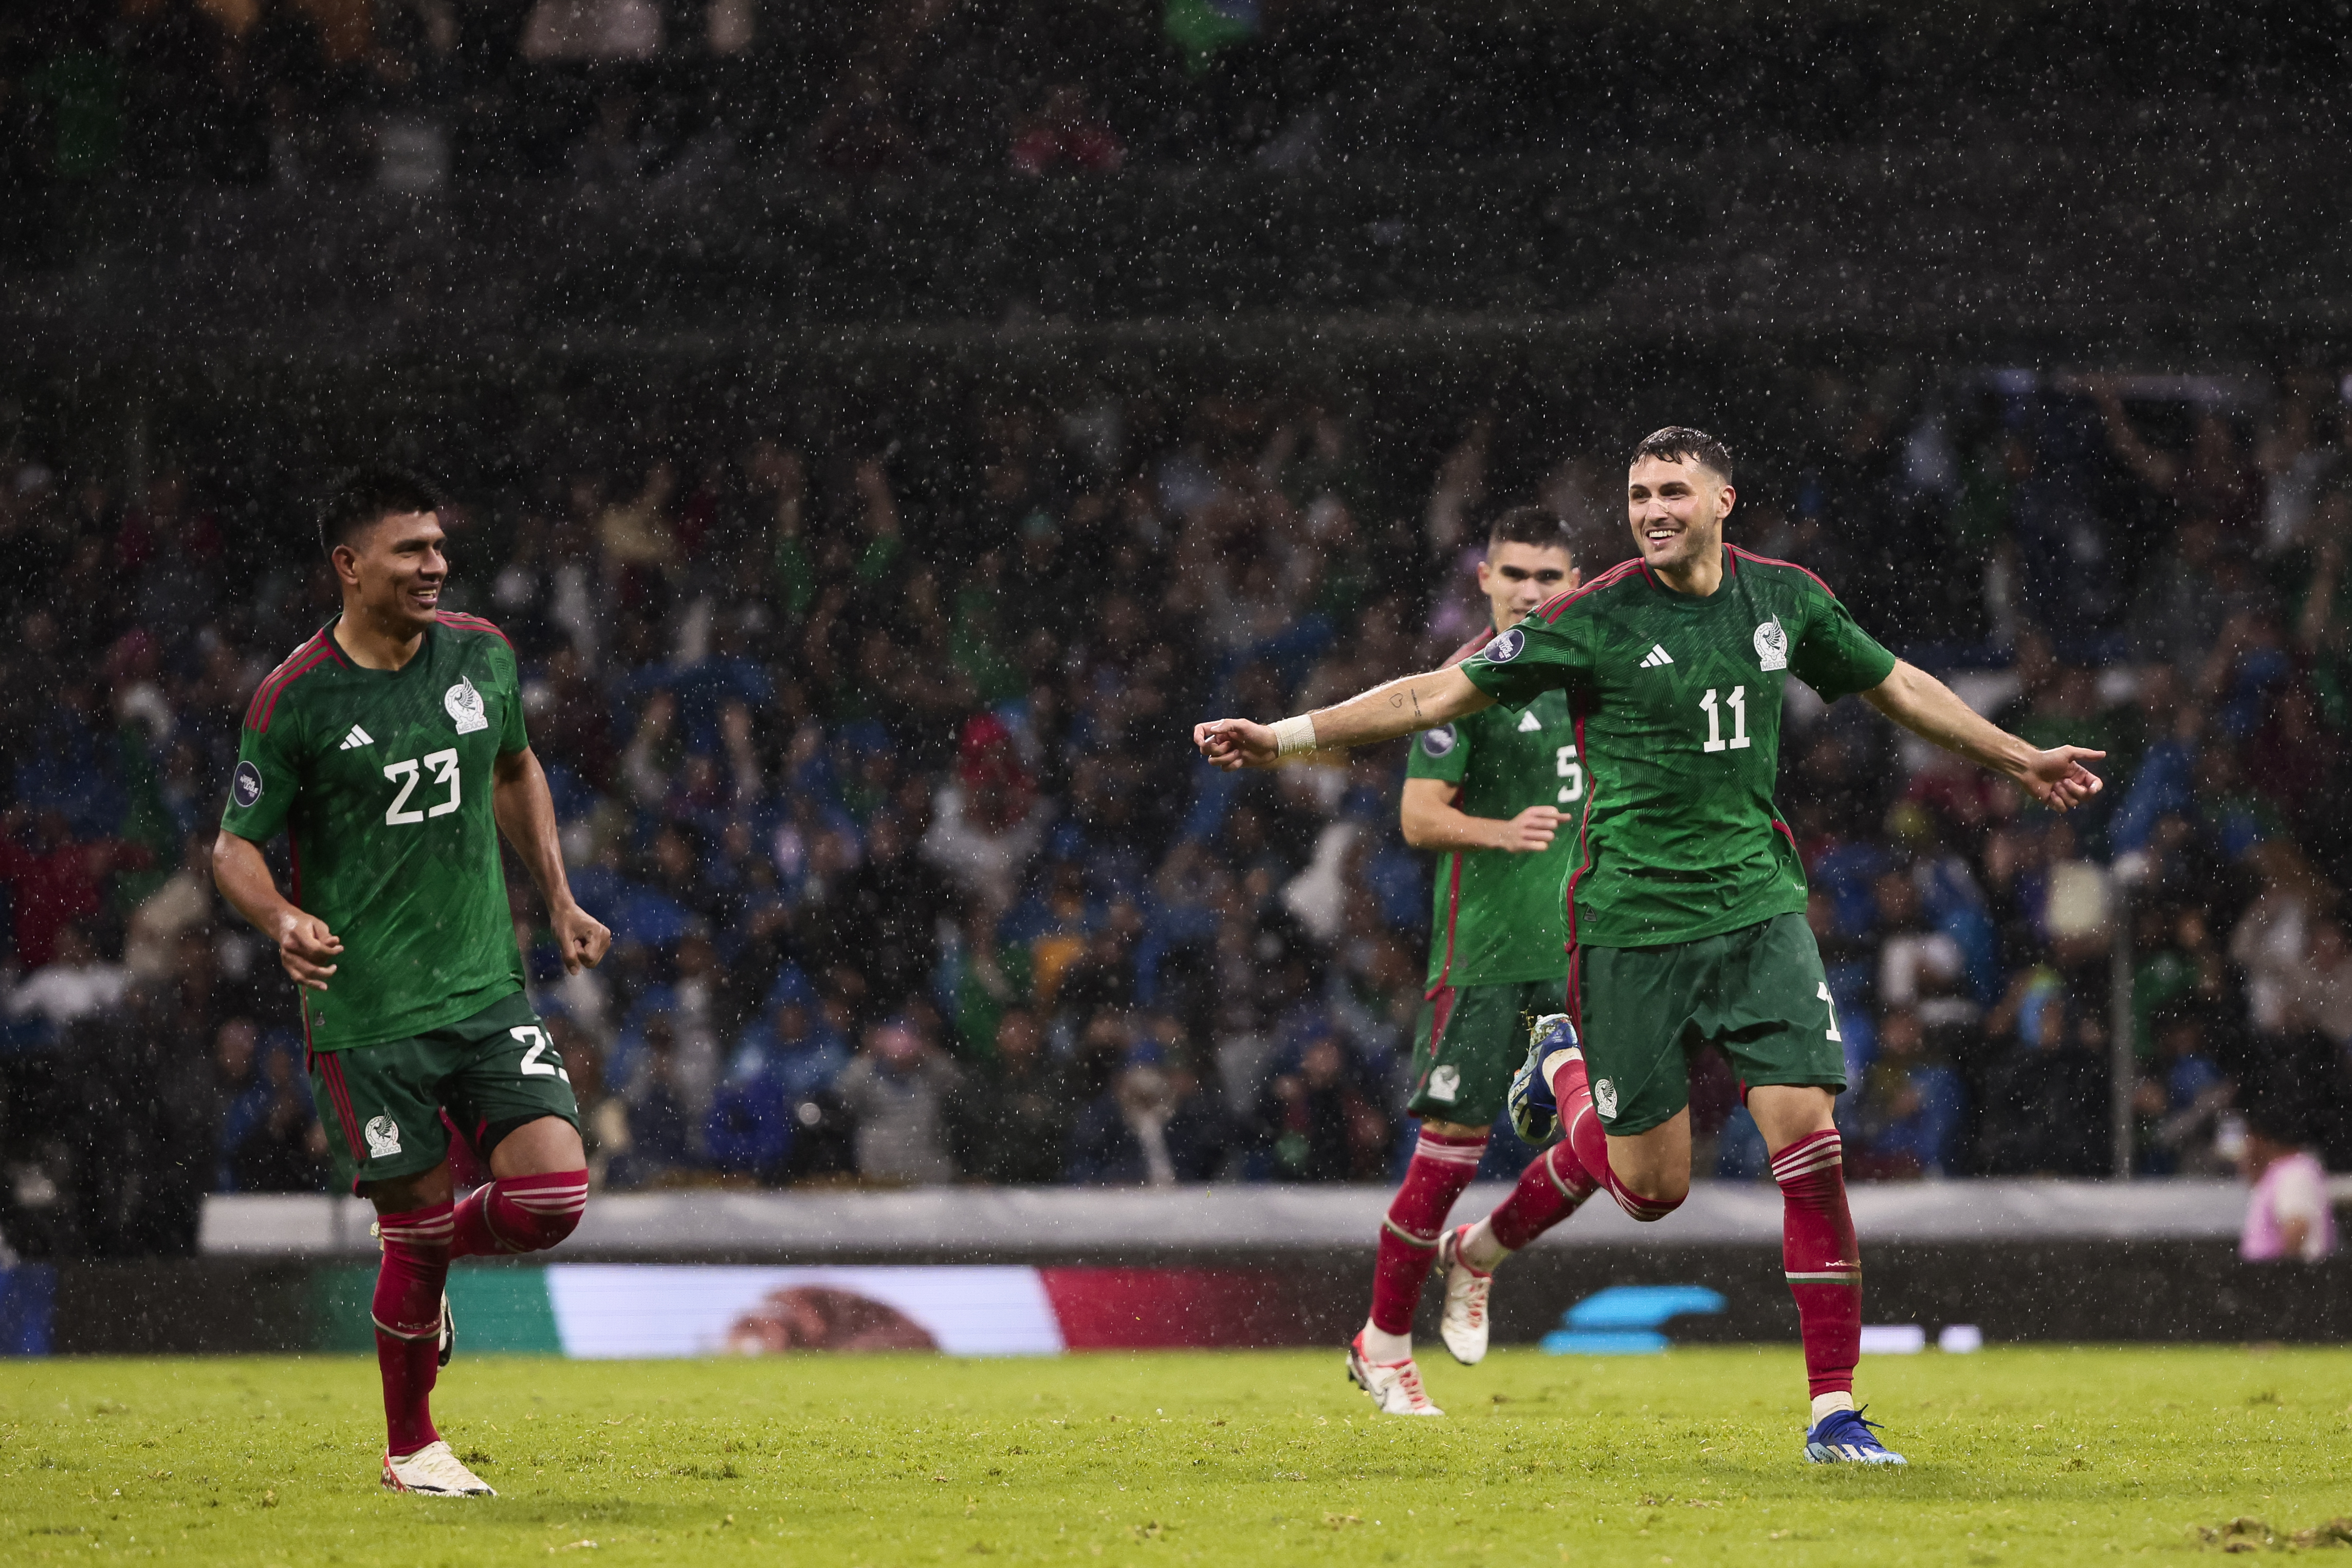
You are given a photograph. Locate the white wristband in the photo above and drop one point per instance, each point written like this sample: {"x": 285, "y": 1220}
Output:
{"x": 1292, "y": 735}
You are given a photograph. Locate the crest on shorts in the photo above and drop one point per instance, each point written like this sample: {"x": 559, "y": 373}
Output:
{"x": 1604, "y": 1098}
{"x": 245, "y": 788}
{"x": 1444, "y": 1083}
{"x": 382, "y": 1136}
{"x": 1439, "y": 741}
{"x": 1772, "y": 646}
{"x": 466, "y": 707}
{"x": 1505, "y": 648}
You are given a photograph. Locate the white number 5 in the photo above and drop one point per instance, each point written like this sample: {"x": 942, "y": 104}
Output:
{"x": 533, "y": 1066}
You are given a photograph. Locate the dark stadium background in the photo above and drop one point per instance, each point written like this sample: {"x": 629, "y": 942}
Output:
{"x": 1130, "y": 366}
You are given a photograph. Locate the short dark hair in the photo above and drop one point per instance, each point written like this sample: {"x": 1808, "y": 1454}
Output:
{"x": 1681, "y": 444}
{"x": 1529, "y": 526}
{"x": 358, "y": 500}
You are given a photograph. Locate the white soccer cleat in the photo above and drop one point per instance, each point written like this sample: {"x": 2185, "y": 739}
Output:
{"x": 1463, "y": 1324}
{"x": 433, "y": 1471}
{"x": 1395, "y": 1385}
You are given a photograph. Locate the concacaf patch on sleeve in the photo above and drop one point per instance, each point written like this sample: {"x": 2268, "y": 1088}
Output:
{"x": 1439, "y": 741}
{"x": 1505, "y": 648}
{"x": 244, "y": 787}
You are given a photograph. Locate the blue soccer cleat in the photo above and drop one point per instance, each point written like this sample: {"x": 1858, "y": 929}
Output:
{"x": 1534, "y": 1113}
{"x": 1844, "y": 1437}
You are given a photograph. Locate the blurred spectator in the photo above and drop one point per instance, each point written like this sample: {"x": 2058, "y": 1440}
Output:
{"x": 1317, "y": 1119}
{"x": 1013, "y": 1115}
{"x": 898, "y": 1091}
{"x": 57, "y": 881}
{"x": 73, "y": 985}
{"x": 660, "y": 1143}
{"x": 1067, "y": 132}
{"x": 2045, "y": 1109}
{"x": 284, "y": 1149}
{"x": 2288, "y": 1216}
{"x": 1149, "y": 1128}
{"x": 1911, "y": 1103}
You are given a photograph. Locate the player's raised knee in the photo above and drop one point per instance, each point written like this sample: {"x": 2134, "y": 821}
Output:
{"x": 1647, "y": 1210}
{"x": 535, "y": 1212}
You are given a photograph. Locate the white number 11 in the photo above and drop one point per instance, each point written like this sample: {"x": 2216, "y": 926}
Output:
{"x": 1737, "y": 704}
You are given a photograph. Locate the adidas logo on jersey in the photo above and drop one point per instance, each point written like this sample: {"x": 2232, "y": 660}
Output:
{"x": 1528, "y": 721}
{"x": 357, "y": 738}
{"x": 1656, "y": 655}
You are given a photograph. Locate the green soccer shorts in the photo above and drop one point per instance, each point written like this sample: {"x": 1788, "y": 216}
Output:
{"x": 382, "y": 1104}
{"x": 1471, "y": 1040}
{"x": 1760, "y": 993}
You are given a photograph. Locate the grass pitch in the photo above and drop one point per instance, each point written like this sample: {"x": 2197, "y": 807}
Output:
{"x": 2018, "y": 1456}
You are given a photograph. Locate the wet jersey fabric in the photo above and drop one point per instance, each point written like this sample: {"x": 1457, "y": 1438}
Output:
{"x": 1677, "y": 709}
{"x": 382, "y": 779}
{"x": 1499, "y": 918}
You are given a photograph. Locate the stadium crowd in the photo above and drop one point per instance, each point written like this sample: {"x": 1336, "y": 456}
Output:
{"x": 415, "y": 93}
{"x": 883, "y": 787}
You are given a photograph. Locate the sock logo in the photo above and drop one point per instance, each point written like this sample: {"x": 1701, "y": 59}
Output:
{"x": 1444, "y": 1083}
{"x": 1604, "y": 1098}
{"x": 382, "y": 1136}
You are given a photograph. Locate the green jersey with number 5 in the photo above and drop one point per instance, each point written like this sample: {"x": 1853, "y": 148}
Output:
{"x": 1498, "y": 918}
{"x": 1676, "y": 702}
{"x": 382, "y": 779}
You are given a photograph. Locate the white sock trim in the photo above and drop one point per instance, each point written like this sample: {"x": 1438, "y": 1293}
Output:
{"x": 1825, "y": 1403}
{"x": 1385, "y": 1347}
{"x": 1479, "y": 1249}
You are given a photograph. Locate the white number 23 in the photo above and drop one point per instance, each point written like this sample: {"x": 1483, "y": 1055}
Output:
{"x": 535, "y": 1061}
{"x": 405, "y": 774}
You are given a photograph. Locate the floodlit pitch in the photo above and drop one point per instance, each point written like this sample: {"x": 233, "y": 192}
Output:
{"x": 2017, "y": 1457}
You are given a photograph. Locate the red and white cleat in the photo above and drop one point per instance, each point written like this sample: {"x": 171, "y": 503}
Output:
{"x": 1463, "y": 1324}
{"x": 1395, "y": 1385}
{"x": 433, "y": 1471}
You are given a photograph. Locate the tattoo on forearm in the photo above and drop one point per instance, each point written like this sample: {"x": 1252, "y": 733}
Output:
{"x": 1416, "y": 703}
{"x": 1397, "y": 700}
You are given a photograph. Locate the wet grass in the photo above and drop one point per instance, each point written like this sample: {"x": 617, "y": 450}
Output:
{"x": 2017, "y": 1455}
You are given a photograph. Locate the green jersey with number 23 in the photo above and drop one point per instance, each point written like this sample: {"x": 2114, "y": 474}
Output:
{"x": 382, "y": 779}
{"x": 1677, "y": 705}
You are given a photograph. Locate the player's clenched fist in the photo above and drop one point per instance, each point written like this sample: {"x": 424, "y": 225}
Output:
{"x": 581, "y": 937}
{"x": 1235, "y": 742}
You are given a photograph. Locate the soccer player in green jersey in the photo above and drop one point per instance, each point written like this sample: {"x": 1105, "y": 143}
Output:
{"x": 390, "y": 748}
{"x": 1490, "y": 789}
{"x": 1685, "y": 901}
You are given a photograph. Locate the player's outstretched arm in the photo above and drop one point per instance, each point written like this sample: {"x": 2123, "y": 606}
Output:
{"x": 1932, "y": 711}
{"x": 305, "y": 947}
{"x": 1384, "y": 712}
{"x": 525, "y": 815}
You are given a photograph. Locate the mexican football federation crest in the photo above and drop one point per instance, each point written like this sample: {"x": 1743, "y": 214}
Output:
{"x": 466, "y": 707}
{"x": 1772, "y": 646}
{"x": 1444, "y": 1083}
{"x": 382, "y": 1138}
{"x": 1604, "y": 1098}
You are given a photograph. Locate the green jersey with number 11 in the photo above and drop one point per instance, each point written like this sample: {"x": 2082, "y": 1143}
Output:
{"x": 383, "y": 781}
{"x": 1677, "y": 705}
{"x": 1497, "y": 918}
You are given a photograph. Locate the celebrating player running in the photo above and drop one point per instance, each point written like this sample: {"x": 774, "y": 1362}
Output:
{"x": 1685, "y": 903}
{"x": 391, "y": 747}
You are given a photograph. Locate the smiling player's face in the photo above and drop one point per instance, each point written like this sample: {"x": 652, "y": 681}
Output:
{"x": 1678, "y": 510}
{"x": 393, "y": 572}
